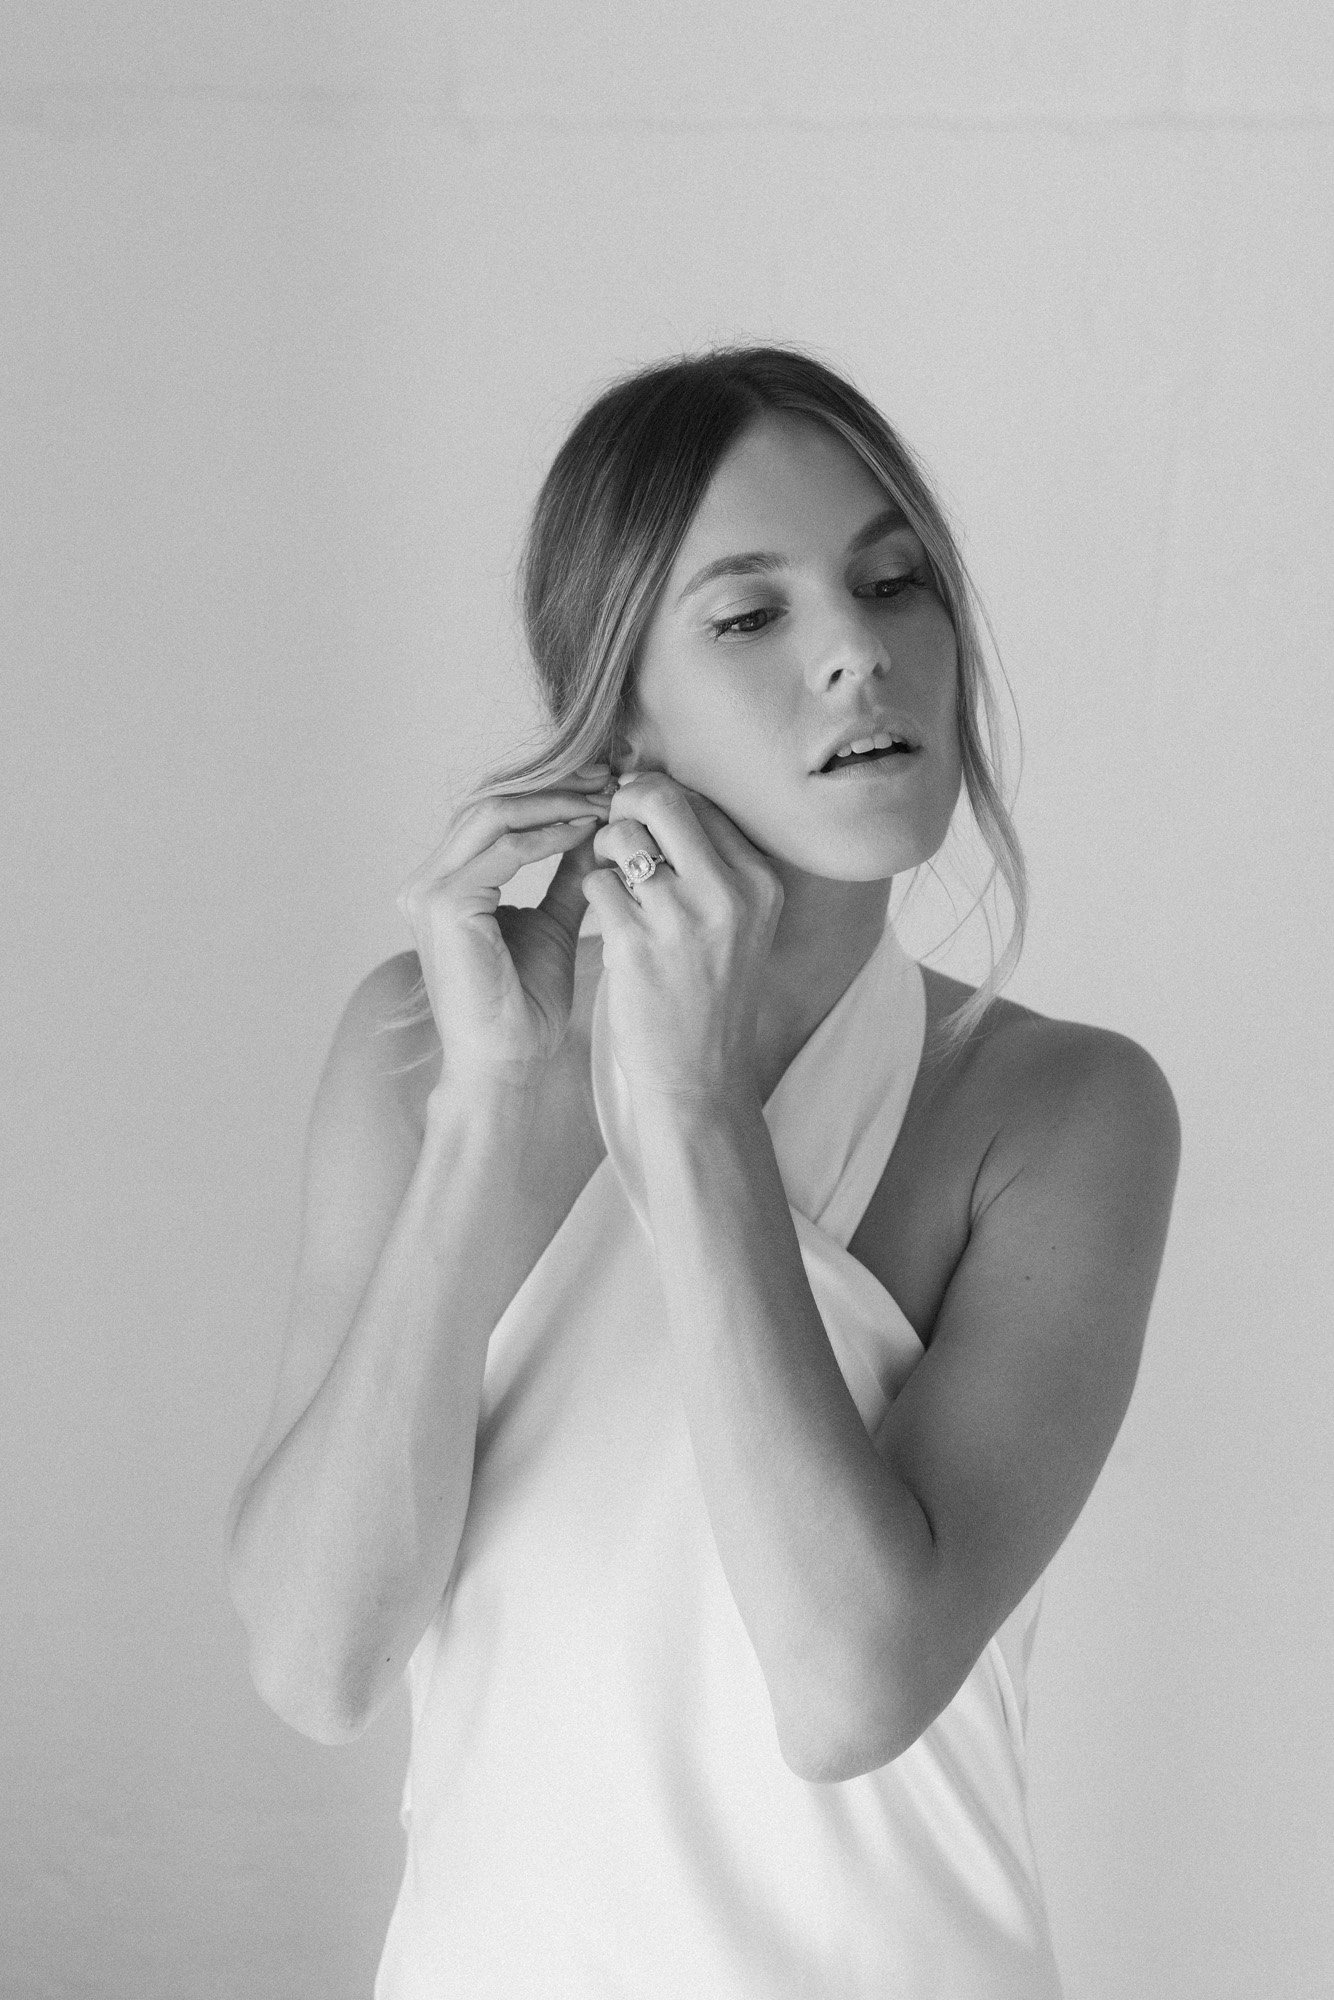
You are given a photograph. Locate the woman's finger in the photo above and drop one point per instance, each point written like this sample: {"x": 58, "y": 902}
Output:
{"x": 616, "y": 844}
{"x": 661, "y": 807}
{"x": 481, "y": 825}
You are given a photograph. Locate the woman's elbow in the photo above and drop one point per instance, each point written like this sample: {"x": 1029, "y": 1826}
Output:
{"x": 316, "y": 1705}
{"x": 306, "y": 1693}
{"x": 321, "y": 1721}
{"x": 835, "y": 1760}
{"x": 890, "y": 1706}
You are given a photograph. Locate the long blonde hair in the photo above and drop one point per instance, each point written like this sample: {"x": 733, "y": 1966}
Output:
{"x": 608, "y": 523}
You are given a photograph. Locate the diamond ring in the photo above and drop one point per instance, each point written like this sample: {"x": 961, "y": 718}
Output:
{"x": 638, "y": 867}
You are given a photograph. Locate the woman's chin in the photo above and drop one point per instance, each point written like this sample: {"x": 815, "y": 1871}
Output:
{"x": 874, "y": 855}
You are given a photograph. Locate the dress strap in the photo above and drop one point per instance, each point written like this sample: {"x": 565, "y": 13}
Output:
{"x": 836, "y": 1112}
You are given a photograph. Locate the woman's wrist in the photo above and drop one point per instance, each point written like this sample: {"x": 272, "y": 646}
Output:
{"x": 466, "y": 1104}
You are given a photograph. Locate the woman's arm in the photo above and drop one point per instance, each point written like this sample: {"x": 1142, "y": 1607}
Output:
{"x": 346, "y": 1523}
{"x": 870, "y": 1577}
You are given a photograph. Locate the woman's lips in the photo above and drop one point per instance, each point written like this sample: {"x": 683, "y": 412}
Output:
{"x": 888, "y": 766}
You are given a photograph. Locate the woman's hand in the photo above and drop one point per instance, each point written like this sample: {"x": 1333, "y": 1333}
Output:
{"x": 685, "y": 962}
{"x": 501, "y": 981}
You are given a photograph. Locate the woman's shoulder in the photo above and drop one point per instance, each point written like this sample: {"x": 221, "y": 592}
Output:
{"x": 1041, "y": 1059}
{"x": 388, "y": 1021}
{"x": 395, "y": 987}
{"x": 1029, "y": 1079}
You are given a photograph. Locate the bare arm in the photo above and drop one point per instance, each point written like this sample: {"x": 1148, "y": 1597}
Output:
{"x": 346, "y": 1522}
{"x": 870, "y": 1576}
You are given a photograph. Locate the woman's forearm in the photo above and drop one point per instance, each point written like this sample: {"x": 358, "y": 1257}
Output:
{"x": 344, "y": 1541}
{"x": 821, "y": 1545}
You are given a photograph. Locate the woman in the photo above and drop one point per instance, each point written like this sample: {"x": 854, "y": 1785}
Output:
{"x": 705, "y": 1335}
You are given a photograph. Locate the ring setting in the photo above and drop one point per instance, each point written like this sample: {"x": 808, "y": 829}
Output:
{"x": 640, "y": 865}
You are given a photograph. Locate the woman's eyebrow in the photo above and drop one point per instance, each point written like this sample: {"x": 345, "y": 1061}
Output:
{"x": 759, "y": 562}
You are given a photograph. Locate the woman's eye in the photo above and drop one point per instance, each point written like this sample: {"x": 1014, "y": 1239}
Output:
{"x": 742, "y": 622}
{"x": 894, "y": 586}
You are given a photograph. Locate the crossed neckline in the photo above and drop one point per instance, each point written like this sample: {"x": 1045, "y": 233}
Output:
{"x": 836, "y": 1111}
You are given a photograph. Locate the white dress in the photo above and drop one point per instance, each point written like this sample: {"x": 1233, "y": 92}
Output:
{"x": 596, "y": 1805}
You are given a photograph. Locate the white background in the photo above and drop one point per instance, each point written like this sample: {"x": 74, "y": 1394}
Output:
{"x": 297, "y": 303}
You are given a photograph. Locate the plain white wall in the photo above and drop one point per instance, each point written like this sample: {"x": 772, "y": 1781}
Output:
{"x": 297, "y": 303}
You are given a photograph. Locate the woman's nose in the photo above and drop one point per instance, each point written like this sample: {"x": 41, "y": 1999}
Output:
{"x": 843, "y": 648}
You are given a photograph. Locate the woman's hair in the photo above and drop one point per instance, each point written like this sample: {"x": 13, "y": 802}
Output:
{"x": 611, "y": 516}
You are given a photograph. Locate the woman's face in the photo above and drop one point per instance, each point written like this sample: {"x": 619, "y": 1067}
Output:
{"x": 800, "y": 610}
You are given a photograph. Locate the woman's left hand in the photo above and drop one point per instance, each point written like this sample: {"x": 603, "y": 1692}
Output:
{"x": 685, "y": 963}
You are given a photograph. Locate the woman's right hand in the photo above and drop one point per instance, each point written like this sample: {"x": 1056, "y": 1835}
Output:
{"x": 501, "y": 981}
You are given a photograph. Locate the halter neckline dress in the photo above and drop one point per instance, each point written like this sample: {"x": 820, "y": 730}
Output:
{"x": 596, "y": 1805}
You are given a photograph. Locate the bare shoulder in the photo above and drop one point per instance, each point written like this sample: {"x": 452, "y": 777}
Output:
{"x": 1047, "y": 1090}
{"x": 389, "y": 1022}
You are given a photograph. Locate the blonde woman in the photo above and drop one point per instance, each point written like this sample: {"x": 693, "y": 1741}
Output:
{"x": 706, "y": 1332}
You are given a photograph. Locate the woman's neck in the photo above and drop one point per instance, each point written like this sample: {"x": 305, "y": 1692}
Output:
{"x": 826, "y": 933}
